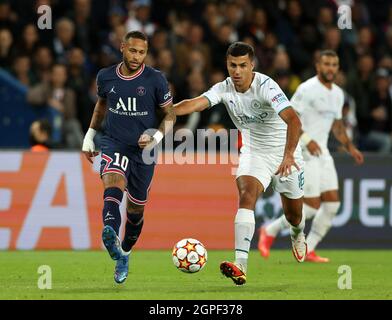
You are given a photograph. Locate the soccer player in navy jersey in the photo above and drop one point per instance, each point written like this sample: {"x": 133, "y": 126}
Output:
{"x": 131, "y": 98}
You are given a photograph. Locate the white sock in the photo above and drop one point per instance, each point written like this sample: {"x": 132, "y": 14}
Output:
{"x": 277, "y": 225}
{"x": 295, "y": 230}
{"x": 322, "y": 223}
{"x": 281, "y": 223}
{"x": 309, "y": 211}
{"x": 244, "y": 230}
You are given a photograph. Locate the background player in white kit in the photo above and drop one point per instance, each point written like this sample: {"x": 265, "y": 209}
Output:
{"x": 270, "y": 152}
{"x": 319, "y": 103}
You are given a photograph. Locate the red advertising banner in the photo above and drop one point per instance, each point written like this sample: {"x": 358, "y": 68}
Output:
{"x": 54, "y": 201}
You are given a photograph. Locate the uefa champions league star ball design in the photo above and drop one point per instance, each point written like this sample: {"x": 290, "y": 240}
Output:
{"x": 189, "y": 255}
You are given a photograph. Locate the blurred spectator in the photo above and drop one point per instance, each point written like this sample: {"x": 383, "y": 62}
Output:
{"x": 22, "y": 70}
{"x": 193, "y": 41}
{"x": 281, "y": 66}
{"x": 8, "y": 18}
{"x": 64, "y": 39}
{"x": 79, "y": 81}
{"x": 110, "y": 51}
{"x": 258, "y": 26}
{"x": 379, "y": 137}
{"x": 265, "y": 53}
{"x": 159, "y": 42}
{"x": 29, "y": 41}
{"x": 325, "y": 19}
{"x": 165, "y": 64}
{"x": 365, "y": 41}
{"x": 349, "y": 107}
{"x": 220, "y": 45}
{"x": 211, "y": 20}
{"x": 117, "y": 16}
{"x": 42, "y": 63}
{"x": 58, "y": 96}
{"x": 40, "y": 133}
{"x": 85, "y": 29}
{"x": 196, "y": 85}
{"x": 386, "y": 47}
{"x": 360, "y": 82}
{"x": 6, "y": 51}
{"x": 189, "y": 39}
{"x": 333, "y": 41}
{"x": 139, "y": 17}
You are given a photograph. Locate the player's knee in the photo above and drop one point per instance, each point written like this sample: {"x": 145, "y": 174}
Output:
{"x": 135, "y": 217}
{"x": 247, "y": 199}
{"x": 134, "y": 208}
{"x": 113, "y": 180}
{"x": 294, "y": 220}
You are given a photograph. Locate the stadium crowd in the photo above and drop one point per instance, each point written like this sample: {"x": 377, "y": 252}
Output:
{"x": 188, "y": 42}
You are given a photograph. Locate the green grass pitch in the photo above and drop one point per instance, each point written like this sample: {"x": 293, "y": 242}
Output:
{"x": 89, "y": 275}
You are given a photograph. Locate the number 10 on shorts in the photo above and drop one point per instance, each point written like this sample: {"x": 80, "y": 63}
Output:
{"x": 124, "y": 161}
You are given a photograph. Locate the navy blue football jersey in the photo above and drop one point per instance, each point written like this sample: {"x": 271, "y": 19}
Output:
{"x": 132, "y": 102}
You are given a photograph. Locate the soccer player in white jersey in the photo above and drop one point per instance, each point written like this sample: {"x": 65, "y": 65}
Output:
{"x": 319, "y": 103}
{"x": 270, "y": 152}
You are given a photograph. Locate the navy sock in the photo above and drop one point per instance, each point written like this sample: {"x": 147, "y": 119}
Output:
{"x": 111, "y": 209}
{"x": 133, "y": 228}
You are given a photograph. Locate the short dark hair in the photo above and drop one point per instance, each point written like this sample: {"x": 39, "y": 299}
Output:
{"x": 238, "y": 49}
{"x": 328, "y": 53}
{"x": 135, "y": 35}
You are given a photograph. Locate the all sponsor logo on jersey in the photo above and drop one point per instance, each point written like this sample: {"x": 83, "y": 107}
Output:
{"x": 129, "y": 109}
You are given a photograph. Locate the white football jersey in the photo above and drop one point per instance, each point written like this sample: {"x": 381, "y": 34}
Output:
{"x": 255, "y": 112}
{"x": 318, "y": 107}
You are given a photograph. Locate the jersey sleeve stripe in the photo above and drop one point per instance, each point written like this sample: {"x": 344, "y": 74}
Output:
{"x": 166, "y": 103}
{"x": 284, "y": 109}
{"x": 264, "y": 82}
{"x": 209, "y": 101}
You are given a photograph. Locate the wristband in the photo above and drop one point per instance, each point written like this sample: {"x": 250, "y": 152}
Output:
{"x": 305, "y": 138}
{"x": 158, "y": 136}
{"x": 91, "y": 133}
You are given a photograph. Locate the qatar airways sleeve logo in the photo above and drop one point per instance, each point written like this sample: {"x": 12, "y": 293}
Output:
{"x": 278, "y": 99}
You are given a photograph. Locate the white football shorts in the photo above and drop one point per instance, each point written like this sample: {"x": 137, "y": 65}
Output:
{"x": 263, "y": 168}
{"x": 320, "y": 175}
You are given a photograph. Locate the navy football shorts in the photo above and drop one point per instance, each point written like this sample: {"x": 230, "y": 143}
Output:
{"x": 126, "y": 162}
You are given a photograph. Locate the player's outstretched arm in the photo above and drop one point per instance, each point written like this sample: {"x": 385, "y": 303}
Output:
{"x": 191, "y": 105}
{"x": 88, "y": 147}
{"x": 340, "y": 133}
{"x": 294, "y": 129}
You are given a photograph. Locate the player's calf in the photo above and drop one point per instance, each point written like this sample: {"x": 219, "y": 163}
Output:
{"x": 133, "y": 229}
{"x": 112, "y": 221}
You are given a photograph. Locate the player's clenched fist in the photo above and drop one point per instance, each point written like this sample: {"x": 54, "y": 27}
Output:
{"x": 88, "y": 147}
{"x": 145, "y": 140}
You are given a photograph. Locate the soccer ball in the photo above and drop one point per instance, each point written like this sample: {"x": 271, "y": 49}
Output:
{"x": 189, "y": 255}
